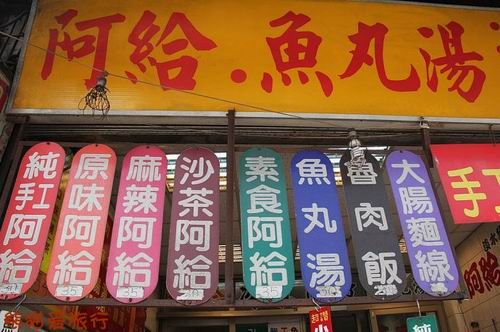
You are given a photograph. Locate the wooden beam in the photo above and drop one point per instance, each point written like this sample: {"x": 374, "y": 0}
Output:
{"x": 220, "y": 304}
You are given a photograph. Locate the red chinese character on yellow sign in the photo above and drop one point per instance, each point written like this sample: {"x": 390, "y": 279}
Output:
{"x": 455, "y": 63}
{"x": 83, "y": 45}
{"x": 471, "y": 184}
{"x": 295, "y": 50}
{"x": 174, "y": 72}
{"x": 360, "y": 56}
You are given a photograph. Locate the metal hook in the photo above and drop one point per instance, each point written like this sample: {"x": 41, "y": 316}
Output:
{"x": 316, "y": 305}
{"x": 16, "y": 308}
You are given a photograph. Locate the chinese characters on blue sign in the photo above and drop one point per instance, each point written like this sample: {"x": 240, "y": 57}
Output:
{"x": 324, "y": 259}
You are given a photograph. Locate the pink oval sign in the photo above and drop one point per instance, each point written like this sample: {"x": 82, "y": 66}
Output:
{"x": 134, "y": 256}
{"x": 28, "y": 217}
{"x": 76, "y": 253}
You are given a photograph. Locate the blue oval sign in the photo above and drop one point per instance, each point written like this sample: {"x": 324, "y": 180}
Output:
{"x": 324, "y": 260}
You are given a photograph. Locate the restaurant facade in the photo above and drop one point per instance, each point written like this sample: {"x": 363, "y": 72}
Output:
{"x": 252, "y": 166}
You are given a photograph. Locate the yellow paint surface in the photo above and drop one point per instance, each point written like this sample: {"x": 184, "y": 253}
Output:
{"x": 239, "y": 29}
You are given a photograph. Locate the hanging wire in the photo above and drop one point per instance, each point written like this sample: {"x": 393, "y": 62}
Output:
{"x": 418, "y": 307}
{"x": 16, "y": 319}
{"x": 97, "y": 98}
{"x": 316, "y": 305}
{"x": 18, "y": 305}
{"x": 224, "y": 100}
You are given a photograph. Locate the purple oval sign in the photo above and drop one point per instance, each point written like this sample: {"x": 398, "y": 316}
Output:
{"x": 432, "y": 262}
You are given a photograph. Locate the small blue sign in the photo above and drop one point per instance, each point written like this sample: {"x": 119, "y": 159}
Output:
{"x": 324, "y": 259}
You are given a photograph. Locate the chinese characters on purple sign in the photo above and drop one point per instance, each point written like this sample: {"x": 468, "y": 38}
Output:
{"x": 430, "y": 255}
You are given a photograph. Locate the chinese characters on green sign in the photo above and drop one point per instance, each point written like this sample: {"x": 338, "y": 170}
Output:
{"x": 422, "y": 324}
{"x": 268, "y": 270}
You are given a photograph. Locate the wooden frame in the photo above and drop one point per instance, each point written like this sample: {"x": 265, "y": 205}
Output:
{"x": 229, "y": 303}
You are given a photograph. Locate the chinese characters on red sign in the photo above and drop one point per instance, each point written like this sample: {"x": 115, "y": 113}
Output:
{"x": 472, "y": 184}
{"x": 294, "y": 52}
{"x": 27, "y": 220}
{"x": 320, "y": 320}
{"x": 77, "y": 249}
{"x": 134, "y": 256}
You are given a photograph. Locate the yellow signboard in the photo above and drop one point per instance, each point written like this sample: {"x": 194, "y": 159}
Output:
{"x": 305, "y": 56}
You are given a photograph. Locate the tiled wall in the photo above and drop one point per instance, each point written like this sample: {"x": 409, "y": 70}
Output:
{"x": 482, "y": 308}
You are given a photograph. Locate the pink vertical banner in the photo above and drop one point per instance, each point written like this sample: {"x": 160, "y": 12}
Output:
{"x": 77, "y": 249}
{"x": 28, "y": 217}
{"x": 134, "y": 255}
{"x": 193, "y": 248}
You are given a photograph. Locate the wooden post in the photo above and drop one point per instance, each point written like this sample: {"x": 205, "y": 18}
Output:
{"x": 10, "y": 164}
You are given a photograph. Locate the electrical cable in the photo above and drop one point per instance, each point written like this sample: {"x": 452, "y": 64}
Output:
{"x": 197, "y": 94}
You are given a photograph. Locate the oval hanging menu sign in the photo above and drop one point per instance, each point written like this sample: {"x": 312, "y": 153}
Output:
{"x": 193, "y": 248}
{"x": 378, "y": 258}
{"x": 268, "y": 266}
{"x": 324, "y": 259}
{"x": 134, "y": 254}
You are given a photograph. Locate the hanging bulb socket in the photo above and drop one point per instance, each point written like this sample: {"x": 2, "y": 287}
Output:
{"x": 357, "y": 153}
{"x": 97, "y": 99}
{"x": 101, "y": 80}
